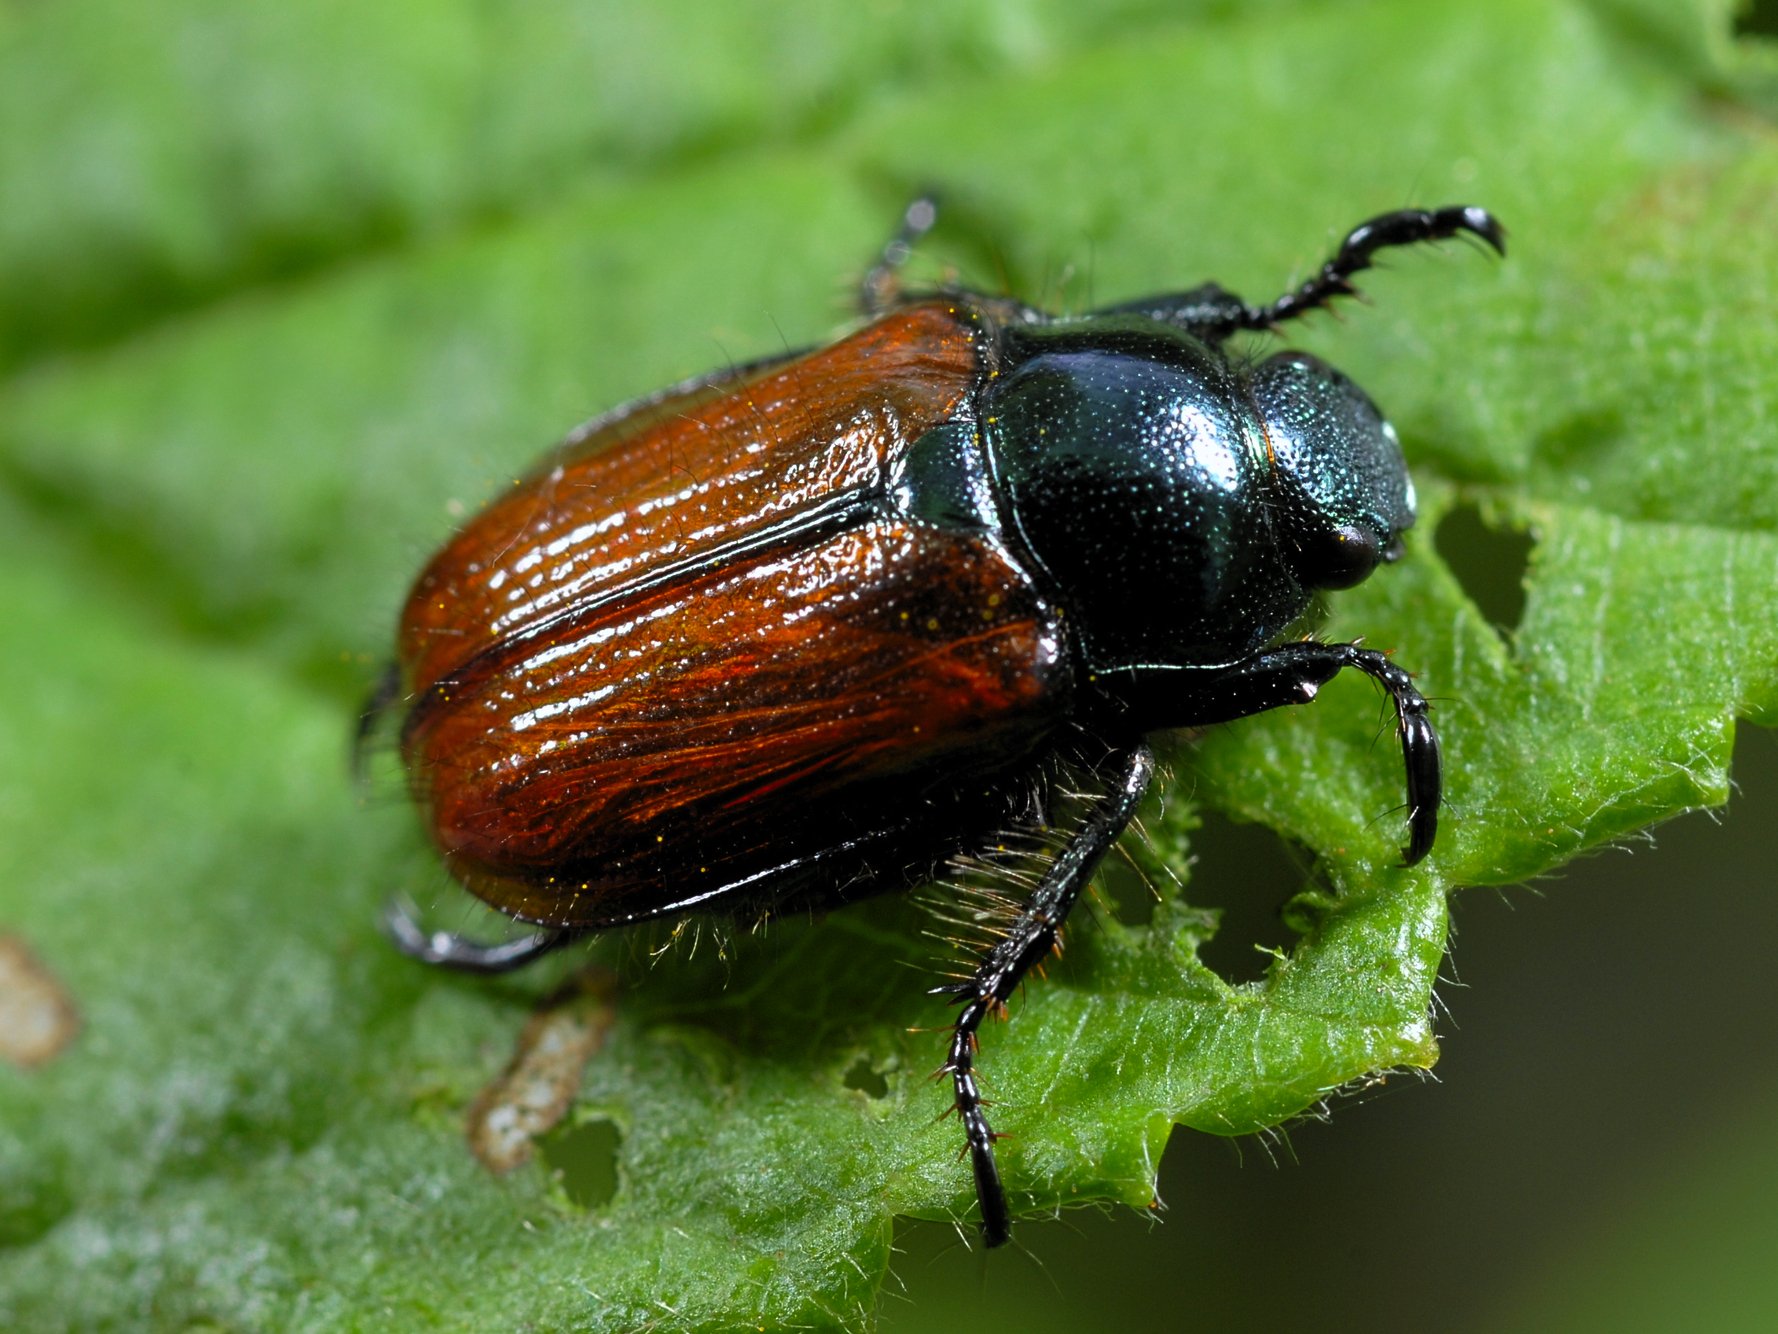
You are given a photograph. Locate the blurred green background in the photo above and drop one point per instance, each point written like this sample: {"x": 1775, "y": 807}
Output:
{"x": 205, "y": 208}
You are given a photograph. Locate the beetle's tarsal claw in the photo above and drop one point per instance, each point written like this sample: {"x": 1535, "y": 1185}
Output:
{"x": 1420, "y": 757}
{"x": 1480, "y": 222}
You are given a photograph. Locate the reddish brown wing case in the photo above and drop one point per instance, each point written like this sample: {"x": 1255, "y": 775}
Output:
{"x": 699, "y": 656}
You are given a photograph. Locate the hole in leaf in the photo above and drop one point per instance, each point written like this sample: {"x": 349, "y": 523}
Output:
{"x": 1490, "y": 562}
{"x": 866, "y": 1079}
{"x": 584, "y": 1158}
{"x": 1124, "y": 890}
{"x": 1249, "y": 872}
{"x": 1759, "y": 19}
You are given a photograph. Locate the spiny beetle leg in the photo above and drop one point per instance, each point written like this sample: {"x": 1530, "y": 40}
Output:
{"x": 1028, "y": 941}
{"x": 1213, "y": 312}
{"x": 1408, "y": 226}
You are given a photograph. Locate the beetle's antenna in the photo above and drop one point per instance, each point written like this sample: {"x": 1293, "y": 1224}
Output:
{"x": 880, "y": 291}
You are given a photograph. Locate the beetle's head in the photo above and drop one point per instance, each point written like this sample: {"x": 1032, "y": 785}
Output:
{"x": 1341, "y": 492}
{"x": 1183, "y": 509}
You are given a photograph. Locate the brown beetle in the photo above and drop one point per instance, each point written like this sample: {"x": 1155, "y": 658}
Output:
{"x": 797, "y": 631}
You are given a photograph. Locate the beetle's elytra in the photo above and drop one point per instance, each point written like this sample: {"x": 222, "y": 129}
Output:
{"x": 798, "y": 631}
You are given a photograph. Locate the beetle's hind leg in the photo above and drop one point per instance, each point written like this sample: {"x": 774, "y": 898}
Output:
{"x": 1027, "y": 942}
{"x": 446, "y": 949}
{"x": 880, "y": 292}
{"x": 1214, "y": 313}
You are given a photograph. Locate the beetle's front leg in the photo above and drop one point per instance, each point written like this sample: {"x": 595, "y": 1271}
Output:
{"x": 1293, "y": 674}
{"x": 1213, "y": 313}
{"x": 1027, "y": 942}
{"x": 1408, "y": 226}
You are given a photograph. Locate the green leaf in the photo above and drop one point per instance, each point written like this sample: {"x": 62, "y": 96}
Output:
{"x": 286, "y": 292}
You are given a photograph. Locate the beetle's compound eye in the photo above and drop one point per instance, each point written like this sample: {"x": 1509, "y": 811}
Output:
{"x": 1341, "y": 558}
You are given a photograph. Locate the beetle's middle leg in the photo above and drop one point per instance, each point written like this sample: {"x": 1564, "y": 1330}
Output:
{"x": 446, "y": 949}
{"x": 1026, "y": 943}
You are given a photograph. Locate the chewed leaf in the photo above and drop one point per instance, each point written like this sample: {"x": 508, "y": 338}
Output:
{"x": 286, "y": 298}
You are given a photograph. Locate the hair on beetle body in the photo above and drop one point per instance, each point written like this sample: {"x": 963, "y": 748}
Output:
{"x": 815, "y": 627}
{"x": 976, "y": 897}
{"x": 979, "y": 895}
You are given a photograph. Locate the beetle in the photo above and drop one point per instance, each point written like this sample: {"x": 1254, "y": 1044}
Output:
{"x": 800, "y": 630}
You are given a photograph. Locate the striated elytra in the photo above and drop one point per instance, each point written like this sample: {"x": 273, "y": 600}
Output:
{"x": 798, "y": 631}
